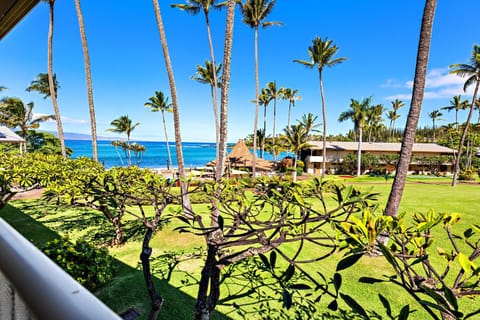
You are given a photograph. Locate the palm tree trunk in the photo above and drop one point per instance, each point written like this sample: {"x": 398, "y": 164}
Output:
{"x": 214, "y": 88}
{"x": 433, "y": 127}
{"x": 415, "y": 108}
{"x": 51, "y": 83}
{"x": 393, "y": 130}
{"x": 213, "y": 93}
{"x": 227, "y": 59}
{"x": 359, "y": 155}
{"x": 209, "y": 285}
{"x": 456, "y": 118}
{"x": 262, "y": 154}
{"x": 86, "y": 59}
{"x": 274, "y": 116}
{"x": 166, "y": 140}
{"x": 478, "y": 108}
{"x": 456, "y": 168}
{"x": 324, "y": 116}
{"x": 294, "y": 173}
{"x": 129, "y": 154}
{"x": 289, "y": 110}
{"x": 176, "y": 115}
{"x": 255, "y": 122}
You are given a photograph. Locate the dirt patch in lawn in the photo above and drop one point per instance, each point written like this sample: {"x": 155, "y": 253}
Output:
{"x": 31, "y": 194}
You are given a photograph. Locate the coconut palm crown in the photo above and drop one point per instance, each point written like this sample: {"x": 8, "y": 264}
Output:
{"x": 472, "y": 73}
{"x": 322, "y": 54}
{"x": 160, "y": 103}
{"x": 254, "y": 14}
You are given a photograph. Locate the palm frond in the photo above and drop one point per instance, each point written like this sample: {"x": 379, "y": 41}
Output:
{"x": 309, "y": 64}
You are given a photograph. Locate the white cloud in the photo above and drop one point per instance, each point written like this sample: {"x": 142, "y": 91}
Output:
{"x": 399, "y": 97}
{"x": 74, "y": 121}
{"x": 391, "y": 83}
{"x": 65, "y": 120}
{"x": 440, "y": 84}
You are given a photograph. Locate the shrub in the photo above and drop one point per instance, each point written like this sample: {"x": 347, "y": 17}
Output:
{"x": 89, "y": 266}
{"x": 467, "y": 175}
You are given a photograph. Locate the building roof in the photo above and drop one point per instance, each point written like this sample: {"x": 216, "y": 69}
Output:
{"x": 8, "y": 136}
{"x": 12, "y": 11}
{"x": 240, "y": 156}
{"x": 378, "y": 147}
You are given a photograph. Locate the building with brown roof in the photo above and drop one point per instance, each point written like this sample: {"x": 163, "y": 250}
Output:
{"x": 337, "y": 150}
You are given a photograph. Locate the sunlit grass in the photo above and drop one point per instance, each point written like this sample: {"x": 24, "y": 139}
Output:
{"x": 128, "y": 288}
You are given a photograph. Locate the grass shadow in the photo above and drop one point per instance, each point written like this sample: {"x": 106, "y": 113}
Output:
{"x": 91, "y": 225}
{"x": 126, "y": 289}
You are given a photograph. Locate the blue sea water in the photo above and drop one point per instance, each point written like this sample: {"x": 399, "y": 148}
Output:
{"x": 195, "y": 154}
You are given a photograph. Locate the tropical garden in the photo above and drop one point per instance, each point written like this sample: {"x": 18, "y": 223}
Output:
{"x": 255, "y": 247}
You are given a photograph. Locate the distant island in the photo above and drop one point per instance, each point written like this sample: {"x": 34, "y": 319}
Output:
{"x": 81, "y": 136}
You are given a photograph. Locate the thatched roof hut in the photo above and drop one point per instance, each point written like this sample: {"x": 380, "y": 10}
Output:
{"x": 241, "y": 157}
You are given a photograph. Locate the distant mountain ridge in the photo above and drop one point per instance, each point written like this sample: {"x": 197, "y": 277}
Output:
{"x": 81, "y": 136}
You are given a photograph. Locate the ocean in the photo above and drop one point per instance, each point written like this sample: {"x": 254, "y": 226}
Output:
{"x": 195, "y": 154}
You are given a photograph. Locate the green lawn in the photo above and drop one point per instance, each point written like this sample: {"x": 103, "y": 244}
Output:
{"x": 41, "y": 222}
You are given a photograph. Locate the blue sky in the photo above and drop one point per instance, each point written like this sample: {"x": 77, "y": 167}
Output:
{"x": 379, "y": 38}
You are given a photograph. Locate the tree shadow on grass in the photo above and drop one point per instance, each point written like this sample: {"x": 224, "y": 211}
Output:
{"x": 90, "y": 224}
{"x": 126, "y": 289}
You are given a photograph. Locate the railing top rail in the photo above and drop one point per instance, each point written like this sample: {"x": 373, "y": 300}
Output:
{"x": 49, "y": 292}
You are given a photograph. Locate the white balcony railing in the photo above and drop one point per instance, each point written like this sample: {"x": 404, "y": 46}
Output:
{"x": 34, "y": 287}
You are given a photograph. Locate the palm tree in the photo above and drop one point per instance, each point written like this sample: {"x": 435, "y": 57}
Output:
{"x": 208, "y": 289}
{"x": 435, "y": 116}
{"x": 49, "y": 88}
{"x": 176, "y": 114}
{"x": 472, "y": 73}
{"x": 358, "y": 113}
{"x": 194, "y": 7}
{"x": 396, "y": 105}
{"x": 157, "y": 103}
{"x": 51, "y": 81}
{"x": 290, "y": 95}
{"x": 274, "y": 93}
{"x": 227, "y": 59}
{"x": 415, "y": 108}
{"x": 121, "y": 144}
{"x": 308, "y": 121}
{"x": 477, "y": 106}
{"x": 274, "y": 147}
{"x": 296, "y": 139}
{"x": 456, "y": 104}
{"x": 254, "y": 13}
{"x": 41, "y": 85}
{"x": 392, "y": 116}
{"x": 88, "y": 77}
{"x": 124, "y": 124}
{"x": 374, "y": 119}
{"x": 264, "y": 100}
{"x": 321, "y": 54}
{"x": 138, "y": 151}
{"x": 207, "y": 75}
{"x": 15, "y": 114}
